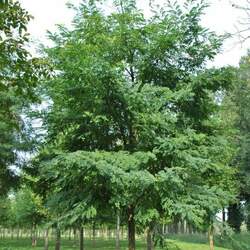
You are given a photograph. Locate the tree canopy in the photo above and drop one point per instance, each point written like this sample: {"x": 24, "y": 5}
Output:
{"x": 137, "y": 130}
{"x": 132, "y": 119}
{"x": 237, "y": 103}
{"x": 19, "y": 74}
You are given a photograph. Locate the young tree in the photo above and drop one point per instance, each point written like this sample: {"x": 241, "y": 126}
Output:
{"x": 28, "y": 210}
{"x": 132, "y": 119}
{"x": 4, "y": 211}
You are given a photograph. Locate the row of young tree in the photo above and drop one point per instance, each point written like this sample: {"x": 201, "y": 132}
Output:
{"x": 24, "y": 216}
{"x": 135, "y": 128}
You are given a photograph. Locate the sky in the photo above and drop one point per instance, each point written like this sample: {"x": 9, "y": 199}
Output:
{"x": 220, "y": 17}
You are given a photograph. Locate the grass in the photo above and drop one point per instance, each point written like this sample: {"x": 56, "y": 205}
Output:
{"x": 196, "y": 246}
{"x": 25, "y": 244}
{"x": 184, "y": 242}
{"x": 240, "y": 241}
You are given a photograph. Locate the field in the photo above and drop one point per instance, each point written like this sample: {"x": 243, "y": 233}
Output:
{"x": 25, "y": 244}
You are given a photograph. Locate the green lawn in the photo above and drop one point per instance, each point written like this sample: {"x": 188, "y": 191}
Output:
{"x": 100, "y": 244}
{"x": 196, "y": 246}
{"x": 240, "y": 241}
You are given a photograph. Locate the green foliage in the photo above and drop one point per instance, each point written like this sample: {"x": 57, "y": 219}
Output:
{"x": 237, "y": 104}
{"x": 92, "y": 181}
{"x": 133, "y": 120}
{"x": 235, "y": 216}
{"x": 247, "y": 212}
{"x": 131, "y": 72}
{"x": 5, "y": 207}
{"x": 26, "y": 208}
{"x": 240, "y": 97}
{"x": 19, "y": 73}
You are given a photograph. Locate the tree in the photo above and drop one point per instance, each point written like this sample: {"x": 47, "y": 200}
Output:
{"x": 4, "y": 211}
{"x": 238, "y": 104}
{"x": 235, "y": 216}
{"x": 132, "y": 122}
{"x": 19, "y": 73}
{"x": 248, "y": 215}
{"x": 242, "y": 27}
{"x": 27, "y": 210}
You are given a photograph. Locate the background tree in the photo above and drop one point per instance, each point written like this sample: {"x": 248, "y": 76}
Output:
{"x": 5, "y": 206}
{"x": 27, "y": 210}
{"x": 19, "y": 73}
{"x": 243, "y": 25}
{"x": 238, "y": 105}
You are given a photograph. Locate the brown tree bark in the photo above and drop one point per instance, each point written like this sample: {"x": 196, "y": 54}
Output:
{"x": 117, "y": 238}
{"x": 74, "y": 236}
{"x": 46, "y": 239}
{"x": 211, "y": 237}
{"x": 17, "y": 233}
{"x": 58, "y": 239}
{"x": 94, "y": 234}
{"x": 150, "y": 245}
{"x": 69, "y": 234}
{"x": 34, "y": 241}
{"x": 131, "y": 229}
{"x": 81, "y": 232}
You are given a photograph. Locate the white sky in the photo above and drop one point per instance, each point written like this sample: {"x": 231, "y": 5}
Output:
{"x": 220, "y": 17}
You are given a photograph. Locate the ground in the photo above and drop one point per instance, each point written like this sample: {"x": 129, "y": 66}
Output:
{"x": 25, "y": 244}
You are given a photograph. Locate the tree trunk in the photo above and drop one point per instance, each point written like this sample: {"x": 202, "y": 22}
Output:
{"x": 93, "y": 234}
{"x": 150, "y": 245}
{"x": 74, "y": 235}
{"x": 46, "y": 239}
{"x": 34, "y": 241}
{"x": 70, "y": 233}
{"x": 190, "y": 228}
{"x": 109, "y": 235}
{"x": 248, "y": 215}
{"x": 223, "y": 215}
{"x": 81, "y": 232}
{"x": 131, "y": 229}
{"x": 17, "y": 233}
{"x": 182, "y": 227}
{"x": 106, "y": 232}
{"x": 117, "y": 238}
{"x": 235, "y": 217}
{"x": 58, "y": 239}
{"x": 211, "y": 237}
{"x": 122, "y": 232}
{"x": 176, "y": 227}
